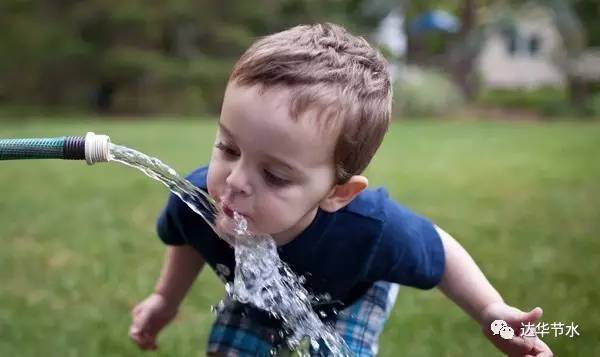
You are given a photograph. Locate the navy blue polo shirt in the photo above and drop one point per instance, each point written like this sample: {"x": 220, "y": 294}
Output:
{"x": 341, "y": 254}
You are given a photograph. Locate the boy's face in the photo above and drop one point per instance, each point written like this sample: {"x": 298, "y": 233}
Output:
{"x": 270, "y": 168}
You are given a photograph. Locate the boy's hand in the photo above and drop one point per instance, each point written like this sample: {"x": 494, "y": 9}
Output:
{"x": 517, "y": 345}
{"x": 148, "y": 318}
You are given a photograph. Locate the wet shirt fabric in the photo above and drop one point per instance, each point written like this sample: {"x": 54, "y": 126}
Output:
{"x": 341, "y": 254}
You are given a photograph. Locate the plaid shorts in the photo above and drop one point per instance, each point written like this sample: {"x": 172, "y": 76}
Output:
{"x": 236, "y": 334}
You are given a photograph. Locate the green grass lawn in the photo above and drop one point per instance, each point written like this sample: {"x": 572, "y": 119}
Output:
{"x": 78, "y": 247}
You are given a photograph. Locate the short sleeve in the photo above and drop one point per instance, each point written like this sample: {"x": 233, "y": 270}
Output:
{"x": 168, "y": 225}
{"x": 409, "y": 251}
{"x": 177, "y": 224}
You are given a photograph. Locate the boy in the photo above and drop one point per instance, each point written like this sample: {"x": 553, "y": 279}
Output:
{"x": 303, "y": 114}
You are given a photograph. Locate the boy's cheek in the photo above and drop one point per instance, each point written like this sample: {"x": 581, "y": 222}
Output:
{"x": 269, "y": 221}
{"x": 212, "y": 182}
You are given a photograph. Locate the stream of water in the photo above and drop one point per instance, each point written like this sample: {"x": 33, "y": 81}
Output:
{"x": 261, "y": 278}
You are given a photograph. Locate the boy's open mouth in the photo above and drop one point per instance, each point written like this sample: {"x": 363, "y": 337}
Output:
{"x": 230, "y": 222}
{"x": 228, "y": 211}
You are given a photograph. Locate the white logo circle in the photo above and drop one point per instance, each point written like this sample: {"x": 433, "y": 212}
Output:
{"x": 500, "y": 327}
{"x": 497, "y": 325}
{"x": 507, "y": 333}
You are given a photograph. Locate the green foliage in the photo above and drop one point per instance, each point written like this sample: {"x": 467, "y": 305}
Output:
{"x": 169, "y": 56}
{"x": 60, "y": 53}
{"x": 592, "y": 107}
{"x": 167, "y": 85}
{"x": 425, "y": 92}
{"x": 535, "y": 99}
{"x": 588, "y": 12}
{"x": 550, "y": 101}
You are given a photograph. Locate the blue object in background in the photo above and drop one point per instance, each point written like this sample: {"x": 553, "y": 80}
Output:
{"x": 436, "y": 20}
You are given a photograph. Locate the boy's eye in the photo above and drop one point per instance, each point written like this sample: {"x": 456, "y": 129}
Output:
{"x": 226, "y": 149}
{"x": 275, "y": 180}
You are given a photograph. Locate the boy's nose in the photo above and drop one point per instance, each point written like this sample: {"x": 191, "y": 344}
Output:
{"x": 238, "y": 181}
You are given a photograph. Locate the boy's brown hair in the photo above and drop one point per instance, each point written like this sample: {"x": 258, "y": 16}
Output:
{"x": 328, "y": 68}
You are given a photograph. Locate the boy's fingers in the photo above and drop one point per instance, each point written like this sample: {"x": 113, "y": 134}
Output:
{"x": 135, "y": 335}
{"x": 143, "y": 319}
{"x": 143, "y": 331}
{"x": 533, "y": 315}
{"x": 541, "y": 349}
{"x": 150, "y": 323}
{"x": 136, "y": 310}
{"x": 520, "y": 319}
{"x": 144, "y": 340}
{"x": 149, "y": 341}
{"x": 517, "y": 346}
{"x": 532, "y": 346}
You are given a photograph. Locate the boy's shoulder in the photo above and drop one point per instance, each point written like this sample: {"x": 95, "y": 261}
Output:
{"x": 376, "y": 204}
{"x": 198, "y": 176}
{"x": 369, "y": 204}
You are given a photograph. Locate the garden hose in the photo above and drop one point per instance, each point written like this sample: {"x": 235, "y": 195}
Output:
{"x": 92, "y": 148}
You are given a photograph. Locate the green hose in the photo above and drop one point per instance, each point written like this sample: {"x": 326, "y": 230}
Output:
{"x": 91, "y": 148}
{"x": 42, "y": 148}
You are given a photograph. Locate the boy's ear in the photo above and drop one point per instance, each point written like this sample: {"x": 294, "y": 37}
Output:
{"x": 341, "y": 195}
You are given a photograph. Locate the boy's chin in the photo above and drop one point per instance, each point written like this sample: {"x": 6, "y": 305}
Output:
{"x": 225, "y": 227}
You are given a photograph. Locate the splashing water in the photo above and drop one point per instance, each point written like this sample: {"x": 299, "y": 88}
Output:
{"x": 266, "y": 282}
{"x": 261, "y": 278}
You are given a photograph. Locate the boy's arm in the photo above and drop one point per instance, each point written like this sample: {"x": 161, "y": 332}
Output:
{"x": 181, "y": 266}
{"x": 464, "y": 283}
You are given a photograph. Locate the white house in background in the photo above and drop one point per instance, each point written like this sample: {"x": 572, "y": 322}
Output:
{"x": 390, "y": 34}
{"x": 523, "y": 58}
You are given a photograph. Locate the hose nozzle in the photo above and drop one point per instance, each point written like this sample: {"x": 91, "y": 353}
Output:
{"x": 97, "y": 148}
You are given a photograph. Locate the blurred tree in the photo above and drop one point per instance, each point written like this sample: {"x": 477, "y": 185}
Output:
{"x": 589, "y": 12}
{"x": 140, "y": 56}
